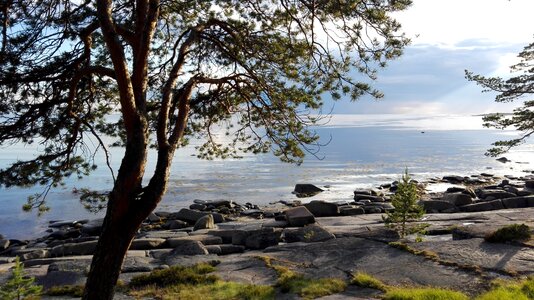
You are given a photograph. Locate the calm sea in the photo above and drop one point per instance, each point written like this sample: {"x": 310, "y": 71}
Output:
{"x": 362, "y": 151}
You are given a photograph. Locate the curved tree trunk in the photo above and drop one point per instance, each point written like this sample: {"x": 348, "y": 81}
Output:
{"x": 113, "y": 243}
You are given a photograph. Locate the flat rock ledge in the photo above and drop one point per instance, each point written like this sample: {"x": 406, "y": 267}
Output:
{"x": 329, "y": 247}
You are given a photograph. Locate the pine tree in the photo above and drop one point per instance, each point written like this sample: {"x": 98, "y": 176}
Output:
{"x": 19, "y": 286}
{"x": 406, "y": 207}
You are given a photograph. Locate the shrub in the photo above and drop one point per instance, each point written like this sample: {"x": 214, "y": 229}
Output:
{"x": 18, "y": 285}
{"x": 514, "y": 232}
{"x": 406, "y": 207}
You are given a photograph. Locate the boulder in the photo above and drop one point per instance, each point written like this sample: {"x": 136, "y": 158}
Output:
{"x": 483, "y": 206}
{"x": 64, "y": 234}
{"x": 307, "y": 234}
{"x": 362, "y": 192}
{"x": 351, "y": 210}
{"x": 322, "y": 208}
{"x": 263, "y": 239}
{"x": 231, "y": 249}
{"x": 306, "y": 190}
{"x": 503, "y": 159}
{"x": 455, "y": 189}
{"x": 253, "y": 213}
{"x": 494, "y": 194}
{"x": 93, "y": 227}
{"x": 453, "y": 178}
{"x": 84, "y": 248}
{"x": 59, "y": 224}
{"x": 215, "y": 203}
{"x": 515, "y": 202}
{"x": 4, "y": 244}
{"x": 299, "y": 216}
{"x": 206, "y": 222}
{"x": 258, "y": 238}
{"x": 458, "y": 199}
{"x": 192, "y": 216}
{"x": 214, "y": 249}
{"x": 153, "y": 218}
{"x": 198, "y": 206}
{"x": 35, "y": 254}
{"x": 147, "y": 243}
{"x": 433, "y": 206}
{"x": 369, "y": 197}
{"x": 175, "y": 224}
{"x": 529, "y": 184}
{"x": 204, "y": 239}
{"x": 372, "y": 209}
{"x": 189, "y": 247}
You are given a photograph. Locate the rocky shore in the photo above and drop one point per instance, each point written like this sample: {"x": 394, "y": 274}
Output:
{"x": 318, "y": 238}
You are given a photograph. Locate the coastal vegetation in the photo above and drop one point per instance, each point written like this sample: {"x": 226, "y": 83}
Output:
{"x": 19, "y": 286}
{"x": 515, "y": 88}
{"x": 406, "y": 208}
{"x": 153, "y": 73}
{"x": 510, "y": 233}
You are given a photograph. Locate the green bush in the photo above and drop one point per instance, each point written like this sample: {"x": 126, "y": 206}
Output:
{"x": 514, "y": 232}
{"x": 19, "y": 286}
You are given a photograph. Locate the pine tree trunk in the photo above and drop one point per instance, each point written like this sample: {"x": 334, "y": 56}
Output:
{"x": 109, "y": 256}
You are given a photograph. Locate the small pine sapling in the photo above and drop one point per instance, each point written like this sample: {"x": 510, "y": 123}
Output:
{"x": 406, "y": 207}
{"x": 19, "y": 286}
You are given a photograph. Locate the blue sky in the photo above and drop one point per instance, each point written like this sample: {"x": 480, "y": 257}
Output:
{"x": 449, "y": 36}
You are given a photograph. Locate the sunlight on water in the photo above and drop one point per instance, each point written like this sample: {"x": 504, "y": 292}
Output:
{"x": 362, "y": 151}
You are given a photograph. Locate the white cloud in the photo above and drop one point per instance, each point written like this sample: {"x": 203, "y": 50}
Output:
{"x": 450, "y": 22}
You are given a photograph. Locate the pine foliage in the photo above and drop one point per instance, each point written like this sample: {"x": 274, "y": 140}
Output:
{"x": 406, "y": 208}
{"x": 18, "y": 285}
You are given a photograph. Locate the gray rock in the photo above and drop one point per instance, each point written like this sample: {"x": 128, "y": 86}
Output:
{"x": 372, "y": 209}
{"x": 306, "y": 190}
{"x": 231, "y": 249}
{"x": 351, "y": 210}
{"x": 147, "y": 243}
{"x": 322, "y": 208}
{"x": 198, "y": 206}
{"x": 159, "y": 253}
{"x": 307, "y": 234}
{"x": 138, "y": 264}
{"x": 263, "y": 239}
{"x": 483, "y": 206}
{"x": 503, "y": 159}
{"x": 299, "y": 216}
{"x": 163, "y": 234}
{"x": 175, "y": 224}
{"x": 59, "y": 224}
{"x": 153, "y": 218}
{"x": 495, "y": 194}
{"x": 432, "y": 206}
{"x": 362, "y": 192}
{"x": 455, "y": 189}
{"x": 515, "y": 202}
{"x": 93, "y": 227}
{"x": 369, "y": 197}
{"x": 4, "y": 244}
{"x": 35, "y": 254}
{"x": 192, "y": 216}
{"x": 254, "y": 213}
{"x": 214, "y": 249}
{"x": 224, "y": 234}
{"x": 206, "y": 222}
{"x": 529, "y": 184}
{"x": 204, "y": 239}
{"x": 64, "y": 234}
{"x": 189, "y": 247}
{"x": 85, "y": 248}
{"x": 458, "y": 199}
{"x": 453, "y": 178}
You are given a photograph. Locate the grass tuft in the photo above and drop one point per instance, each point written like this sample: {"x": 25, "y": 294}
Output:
{"x": 367, "y": 281}
{"x": 517, "y": 290}
{"x": 197, "y": 274}
{"x": 423, "y": 294}
{"x": 65, "y": 290}
{"x": 514, "y": 232}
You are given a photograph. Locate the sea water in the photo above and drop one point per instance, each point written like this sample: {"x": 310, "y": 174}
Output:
{"x": 359, "y": 151}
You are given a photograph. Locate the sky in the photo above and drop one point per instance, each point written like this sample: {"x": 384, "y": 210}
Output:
{"x": 448, "y": 37}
